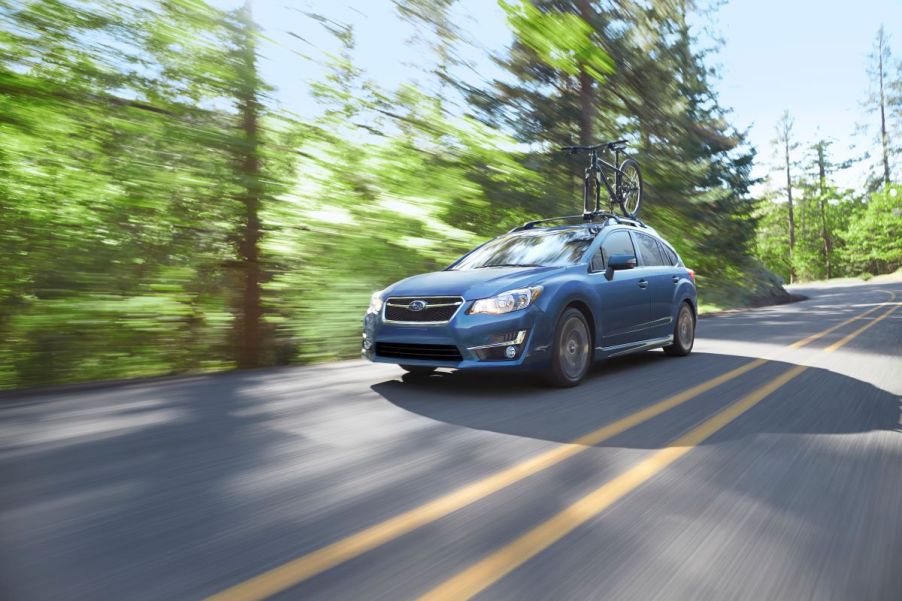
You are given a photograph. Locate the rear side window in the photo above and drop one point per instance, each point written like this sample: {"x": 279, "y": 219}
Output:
{"x": 670, "y": 257}
{"x": 651, "y": 254}
{"x": 617, "y": 243}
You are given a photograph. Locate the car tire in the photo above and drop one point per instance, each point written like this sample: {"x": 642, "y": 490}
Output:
{"x": 417, "y": 370}
{"x": 683, "y": 333}
{"x": 572, "y": 352}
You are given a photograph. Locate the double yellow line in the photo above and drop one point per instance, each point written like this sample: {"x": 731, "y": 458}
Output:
{"x": 493, "y": 567}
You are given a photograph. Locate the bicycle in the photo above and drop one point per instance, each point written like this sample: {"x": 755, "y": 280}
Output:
{"x": 627, "y": 189}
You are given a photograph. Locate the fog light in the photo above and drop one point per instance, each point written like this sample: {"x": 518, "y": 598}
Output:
{"x": 510, "y": 352}
{"x": 367, "y": 343}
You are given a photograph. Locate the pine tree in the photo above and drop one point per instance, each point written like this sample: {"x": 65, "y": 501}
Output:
{"x": 884, "y": 100}
{"x": 247, "y": 90}
{"x": 787, "y": 144}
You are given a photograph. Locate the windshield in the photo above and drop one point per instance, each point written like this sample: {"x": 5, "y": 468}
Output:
{"x": 540, "y": 248}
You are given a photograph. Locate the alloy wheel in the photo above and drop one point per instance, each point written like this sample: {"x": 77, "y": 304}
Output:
{"x": 574, "y": 347}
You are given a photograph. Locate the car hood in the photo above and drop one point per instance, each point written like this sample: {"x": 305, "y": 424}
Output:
{"x": 470, "y": 284}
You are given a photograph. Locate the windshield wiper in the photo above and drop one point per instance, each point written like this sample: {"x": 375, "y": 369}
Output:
{"x": 509, "y": 265}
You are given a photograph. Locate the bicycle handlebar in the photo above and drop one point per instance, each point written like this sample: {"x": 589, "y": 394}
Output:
{"x": 608, "y": 145}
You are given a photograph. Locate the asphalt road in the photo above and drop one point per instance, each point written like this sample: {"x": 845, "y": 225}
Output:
{"x": 705, "y": 477}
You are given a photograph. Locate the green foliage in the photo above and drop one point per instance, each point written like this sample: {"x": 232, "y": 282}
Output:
{"x": 696, "y": 167}
{"x": 865, "y": 234}
{"x": 563, "y": 40}
{"x": 119, "y": 194}
{"x": 149, "y": 190}
{"x": 874, "y": 238}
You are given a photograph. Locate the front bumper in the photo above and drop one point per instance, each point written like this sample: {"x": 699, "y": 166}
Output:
{"x": 470, "y": 334}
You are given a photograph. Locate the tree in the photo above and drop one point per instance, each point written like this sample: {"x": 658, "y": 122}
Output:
{"x": 771, "y": 244}
{"x": 696, "y": 167}
{"x": 824, "y": 166}
{"x": 885, "y": 100}
{"x": 435, "y": 15}
{"x": 821, "y": 149}
{"x": 163, "y": 215}
{"x": 563, "y": 36}
{"x": 251, "y": 183}
{"x": 114, "y": 213}
{"x": 143, "y": 202}
{"x": 787, "y": 144}
{"x": 874, "y": 236}
{"x": 825, "y": 223}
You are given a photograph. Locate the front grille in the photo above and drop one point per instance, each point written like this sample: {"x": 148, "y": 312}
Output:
{"x": 438, "y": 308}
{"x": 428, "y": 352}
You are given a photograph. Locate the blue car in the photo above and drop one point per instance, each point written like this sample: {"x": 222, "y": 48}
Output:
{"x": 544, "y": 298}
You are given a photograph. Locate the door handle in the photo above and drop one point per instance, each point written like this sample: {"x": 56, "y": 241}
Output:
{"x": 676, "y": 279}
{"x": 643, "y": 283}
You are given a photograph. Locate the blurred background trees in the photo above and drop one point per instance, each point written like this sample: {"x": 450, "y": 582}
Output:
{"x": 161, "y": 213}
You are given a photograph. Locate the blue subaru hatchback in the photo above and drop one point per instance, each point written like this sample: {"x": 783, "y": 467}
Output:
{"x": 541, "y": 298}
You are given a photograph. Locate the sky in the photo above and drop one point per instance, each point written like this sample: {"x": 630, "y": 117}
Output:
{"x": 807, "y": 56}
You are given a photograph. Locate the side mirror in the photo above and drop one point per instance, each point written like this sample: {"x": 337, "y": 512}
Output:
{"x": 618, "y": 262}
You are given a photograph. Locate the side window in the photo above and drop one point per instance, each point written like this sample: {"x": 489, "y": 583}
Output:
{"x": 617, "y": 243}
{"x": 597, "y": 262}
{"x": 651, "y": 255}
{"x": 670, "y": 257}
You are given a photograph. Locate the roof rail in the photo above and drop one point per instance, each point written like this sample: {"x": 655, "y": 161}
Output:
{"x": 633, "y": 221}
{"x": 585, "y": 217}
{"x": 531, "y": 224}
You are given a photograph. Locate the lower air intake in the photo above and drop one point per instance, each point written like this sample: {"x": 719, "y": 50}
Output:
{"x": 425, "y": 352}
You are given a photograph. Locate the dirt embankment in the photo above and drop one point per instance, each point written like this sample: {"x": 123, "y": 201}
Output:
{"x": 758, "y": 287}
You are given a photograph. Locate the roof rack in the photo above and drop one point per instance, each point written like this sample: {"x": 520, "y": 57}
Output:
{"x": 585, "y": 217}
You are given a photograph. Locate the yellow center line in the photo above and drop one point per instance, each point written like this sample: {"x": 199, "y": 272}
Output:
{"x": 306, "y": 566}
{"x": 495, "y": 566}
{"x": 842, "y": 342}
{"x": 821, "y": 334}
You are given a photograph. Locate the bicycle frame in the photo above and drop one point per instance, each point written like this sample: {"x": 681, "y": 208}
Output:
{"x": 595, "y": 173}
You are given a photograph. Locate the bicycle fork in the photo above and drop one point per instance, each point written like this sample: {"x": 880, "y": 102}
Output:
{"x": 591, "y": 183}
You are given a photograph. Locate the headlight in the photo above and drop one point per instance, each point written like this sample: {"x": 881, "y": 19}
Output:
{"x": 512, "y": 300}
{"x": 375, "y": 302}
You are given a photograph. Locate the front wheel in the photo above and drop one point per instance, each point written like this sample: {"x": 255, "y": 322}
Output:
{"x": 629, "y": 188}
{"x": 683, "y": 333}
{"x": 571, "y": 353}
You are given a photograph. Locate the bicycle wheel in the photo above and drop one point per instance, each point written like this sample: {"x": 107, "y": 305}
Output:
{"x": 629, "y": 188}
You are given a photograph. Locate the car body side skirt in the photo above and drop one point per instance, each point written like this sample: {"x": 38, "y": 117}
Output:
{"x": 632, "y": 347}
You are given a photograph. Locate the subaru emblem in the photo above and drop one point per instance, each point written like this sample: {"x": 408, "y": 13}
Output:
{"x": 417, "y": 305}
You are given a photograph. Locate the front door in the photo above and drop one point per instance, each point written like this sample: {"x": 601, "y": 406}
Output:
{"x": 623, "y": 300}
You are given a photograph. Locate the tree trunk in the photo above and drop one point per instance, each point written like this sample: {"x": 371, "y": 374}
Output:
{"x": 792, "y": 224}
{"x": 251, "y": 311}
{"x": 585, "y": 108}
{"x": 586, "y": 96}
{"x": 884, "y": 137}
{"x": 825, "y": 235}
{"x": 822, "y": 204}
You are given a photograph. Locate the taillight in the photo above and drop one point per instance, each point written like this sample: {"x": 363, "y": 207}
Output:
{"x": 691, "y": 275}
